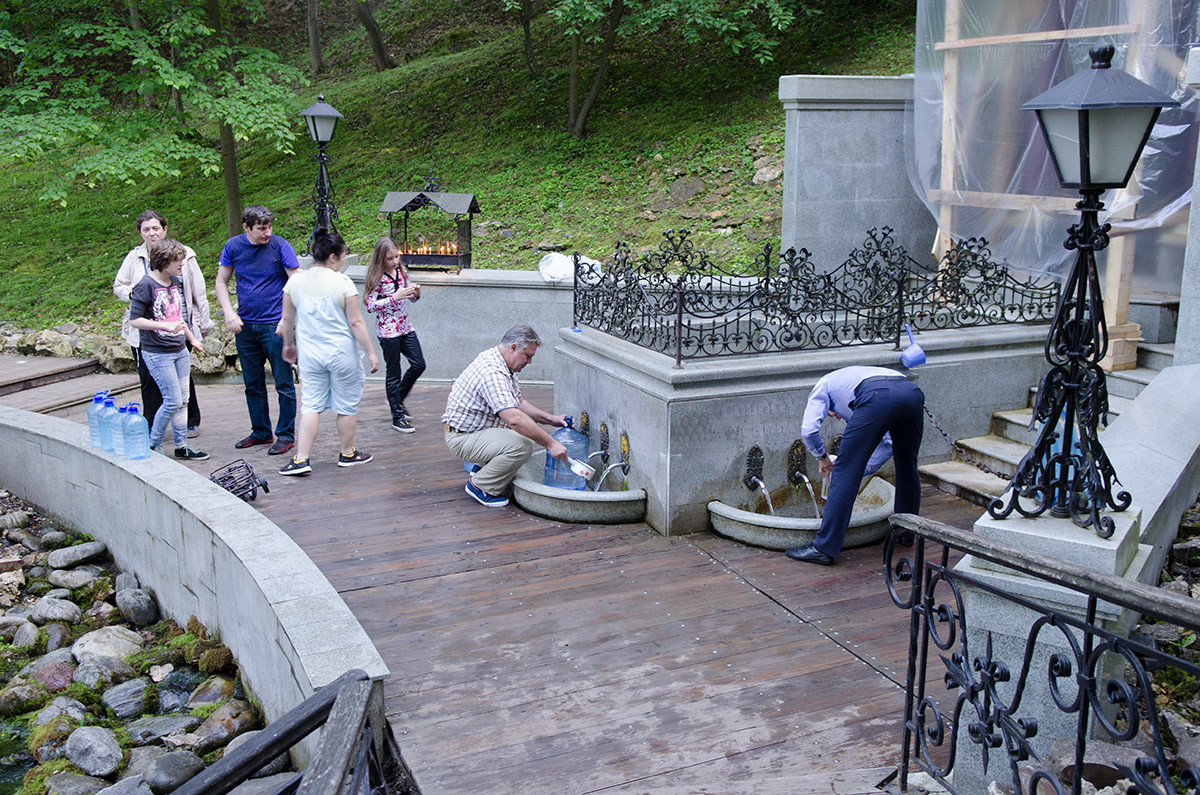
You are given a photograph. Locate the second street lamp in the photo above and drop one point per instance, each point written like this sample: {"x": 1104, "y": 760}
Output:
{"x": 322, "y": 120}
{"x": 1095, "y": 123}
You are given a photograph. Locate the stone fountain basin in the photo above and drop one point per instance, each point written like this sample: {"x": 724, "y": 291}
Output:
{"x": 622, "y": 506}
{"x": 868, "y": 521}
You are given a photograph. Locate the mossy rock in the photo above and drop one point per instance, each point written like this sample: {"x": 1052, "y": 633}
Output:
{"x": 216, "y": 660}
{"x": 194, "y": 627}
{"x": 50, "y": 735}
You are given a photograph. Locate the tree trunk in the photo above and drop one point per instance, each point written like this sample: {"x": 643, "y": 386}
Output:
{"x": 573, "y": 85}
{"x": 135, "y": 24}
{"x": 233, "y": 192}
{"x": 526, "y": 14}
{"x": 610, "y": 40}
{"x": 229, "y": 169}
{"x": 379, "y": 53}
{"x": 314, "y": 38}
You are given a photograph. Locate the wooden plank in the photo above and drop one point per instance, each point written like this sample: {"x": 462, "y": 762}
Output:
{"x": 21, "y": 372}
{"x": 1063, "y": 205}
{"x": 1036, "y": 36}
{"x": 56, "y": 396}
{"x": 529, "y": 655}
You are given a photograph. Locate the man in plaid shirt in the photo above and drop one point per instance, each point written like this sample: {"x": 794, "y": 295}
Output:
{"x": 489, "y": 426}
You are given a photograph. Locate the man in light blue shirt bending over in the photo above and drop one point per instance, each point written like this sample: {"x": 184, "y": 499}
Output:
{"x": 884, "y": 418}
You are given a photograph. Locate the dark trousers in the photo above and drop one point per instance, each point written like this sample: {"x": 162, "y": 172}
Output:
{"x": 152, "y": 397}
{"x": 257, "y": 343}
{"x": 879, "y": 407}
{"x": 398, "y": 386}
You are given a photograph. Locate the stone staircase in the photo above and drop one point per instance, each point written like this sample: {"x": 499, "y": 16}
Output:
{"x": 1010, "y": 438}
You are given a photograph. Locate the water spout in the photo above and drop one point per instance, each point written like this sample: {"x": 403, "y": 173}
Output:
{"x": 762, "y": 488}
{"x": 811, "y": 493}
{"x": 614, "y": 465}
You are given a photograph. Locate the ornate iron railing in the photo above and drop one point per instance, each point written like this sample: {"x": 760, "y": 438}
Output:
{"x": 675, "y": 300}
{"x": 985, "y": 705}
{"x": 357, "y": 755}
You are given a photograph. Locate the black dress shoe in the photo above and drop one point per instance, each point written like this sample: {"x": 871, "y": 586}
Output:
{"x": 809, "y": 554}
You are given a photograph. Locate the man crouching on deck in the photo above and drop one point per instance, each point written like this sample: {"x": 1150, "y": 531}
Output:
{"x": 489, "y": 426}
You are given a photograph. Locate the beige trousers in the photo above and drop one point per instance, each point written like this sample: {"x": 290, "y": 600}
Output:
{"x": 500, "y": 452}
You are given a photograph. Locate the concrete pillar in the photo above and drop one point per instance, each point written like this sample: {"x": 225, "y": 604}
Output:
{"x": 845, "y": 168}
{"x": 1187, "y": 334}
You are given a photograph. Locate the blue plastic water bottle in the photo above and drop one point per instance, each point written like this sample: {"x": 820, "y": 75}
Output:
{"x": 118, "y": 436}
{"x": 108, "y": 419}
{"x": 93, "y": 417}
{"x": 136, "y": 433}
{"x": 557, "y": 473}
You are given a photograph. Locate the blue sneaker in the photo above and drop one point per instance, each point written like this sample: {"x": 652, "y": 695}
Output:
{"x": 470, "y": 468}
{"x": 483, "y": 498}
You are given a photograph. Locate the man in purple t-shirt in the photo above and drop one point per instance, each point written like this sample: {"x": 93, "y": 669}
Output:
{"x": 262, "y": 265}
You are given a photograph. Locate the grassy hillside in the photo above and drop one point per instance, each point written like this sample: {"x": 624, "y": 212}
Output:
{"x": 463, "y": 104}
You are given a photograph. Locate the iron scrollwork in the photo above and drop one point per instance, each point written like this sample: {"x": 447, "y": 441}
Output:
{"x": 676, "y": 300}
{"x": 1101, "y": 679}
{"x": 1067, "y": 471}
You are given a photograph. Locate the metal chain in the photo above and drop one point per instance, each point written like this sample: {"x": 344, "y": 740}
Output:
{"x": 962, "y": 451}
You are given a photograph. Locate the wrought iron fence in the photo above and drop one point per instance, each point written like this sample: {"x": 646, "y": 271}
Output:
{"x": 676, "y": 300}
{"x": 1100, "y": 680}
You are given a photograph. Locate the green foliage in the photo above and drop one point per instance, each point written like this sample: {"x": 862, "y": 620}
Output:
{"x": 92, "y": 95}
{"x": 465, "y": 106}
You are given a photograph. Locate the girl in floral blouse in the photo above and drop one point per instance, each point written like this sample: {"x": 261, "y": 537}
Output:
{"x": 387, "y": 291}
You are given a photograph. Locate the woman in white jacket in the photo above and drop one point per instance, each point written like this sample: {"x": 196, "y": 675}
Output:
{"x": 152, "y": 226}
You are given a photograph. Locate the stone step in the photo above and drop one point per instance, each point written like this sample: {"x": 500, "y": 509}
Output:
{"x": 1156, "y": 356}
{"x": 995, "y": 451}
{"x": 1014, "y": 425}
{"x": 1130, "y": 383}
{"x": 963, "y": 481}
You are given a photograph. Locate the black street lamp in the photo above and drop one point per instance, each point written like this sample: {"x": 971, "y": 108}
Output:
{"x": 322, "y": 120}
{"x": 1095, "y": 124}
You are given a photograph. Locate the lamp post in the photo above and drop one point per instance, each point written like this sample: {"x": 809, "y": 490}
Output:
{"x": 322, "y": 120}
{"x": 1095, "y": 124}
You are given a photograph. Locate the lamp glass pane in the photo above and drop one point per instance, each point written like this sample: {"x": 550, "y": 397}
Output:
{"x": 312, "y": 127}
{"x": 1116, "y": 139}
{"x": 1061, "y": 126}
{"x": 324, "y": 128}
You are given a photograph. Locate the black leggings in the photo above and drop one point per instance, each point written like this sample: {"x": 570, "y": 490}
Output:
{"x": 398, "y": 387}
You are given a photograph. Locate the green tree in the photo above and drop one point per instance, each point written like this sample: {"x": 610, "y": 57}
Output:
{"x": 99, "y": 98}
{"x": 743, "y": 25}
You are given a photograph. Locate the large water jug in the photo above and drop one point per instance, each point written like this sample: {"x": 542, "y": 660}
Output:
{"x": 136, "y": 433}
{"x": 559, "y": 474}
{"x": 108, "y": 421}
{"x": 118, "y": 436}
{"x": 93, "y": 417}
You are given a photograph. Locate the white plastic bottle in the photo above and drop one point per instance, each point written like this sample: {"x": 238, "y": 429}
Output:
{"x": 118, "y": 432}
{"x": 136, "y": 432}
{"x": 93, "y": 417}
{"x": 108, "y": 419}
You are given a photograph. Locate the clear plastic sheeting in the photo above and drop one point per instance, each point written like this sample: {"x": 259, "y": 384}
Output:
{"x": 980, "y": 163}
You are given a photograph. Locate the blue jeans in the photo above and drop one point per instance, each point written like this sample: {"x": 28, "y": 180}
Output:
{"x": 398, "y": 387}
{"x": 257, "y": 343}
{"x": 170, "y": 372}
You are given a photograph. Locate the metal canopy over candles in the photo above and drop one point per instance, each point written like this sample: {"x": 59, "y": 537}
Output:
{"x": 444, "y": 254}
{"x": 1095, "y": 124}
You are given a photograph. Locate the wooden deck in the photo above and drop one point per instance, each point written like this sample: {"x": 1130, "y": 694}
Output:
{"x": 531, "y": 656}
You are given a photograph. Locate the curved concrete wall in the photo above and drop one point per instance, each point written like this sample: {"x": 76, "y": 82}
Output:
{"x": 200, "y": 550}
